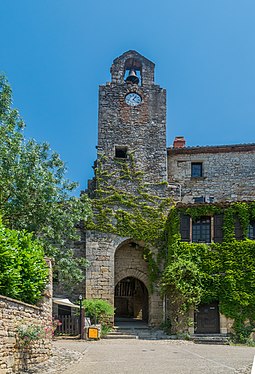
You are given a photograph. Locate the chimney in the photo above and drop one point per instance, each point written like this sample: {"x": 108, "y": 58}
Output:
{"x": 179, "y": 142}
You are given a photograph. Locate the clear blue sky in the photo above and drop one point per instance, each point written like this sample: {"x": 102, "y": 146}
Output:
{"x": 55, "y": 53}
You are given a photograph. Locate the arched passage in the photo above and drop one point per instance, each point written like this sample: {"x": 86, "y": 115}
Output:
{"x": 131, "y": 299}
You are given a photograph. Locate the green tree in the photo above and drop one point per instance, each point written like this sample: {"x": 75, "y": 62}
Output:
{"x": 34, "y": 194}
{"x": 23, "y": 271}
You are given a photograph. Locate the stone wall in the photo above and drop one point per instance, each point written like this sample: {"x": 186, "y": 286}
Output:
{"x": 228, "y": 172}
{"x": 100, "y": 248}
{"x": 13, "y": 357}
{"x": 129, "y": 262}
{"x": 102, "y": 275}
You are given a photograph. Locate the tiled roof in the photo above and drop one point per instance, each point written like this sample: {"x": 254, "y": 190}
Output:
{"x": 213, "y": 149}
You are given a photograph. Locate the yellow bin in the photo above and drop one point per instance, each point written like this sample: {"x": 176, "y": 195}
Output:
{"x": 93, "y": 333}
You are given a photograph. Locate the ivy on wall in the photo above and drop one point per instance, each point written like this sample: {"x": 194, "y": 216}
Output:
{"x": 127, "y": 205}
{"x": 220, "y": 271}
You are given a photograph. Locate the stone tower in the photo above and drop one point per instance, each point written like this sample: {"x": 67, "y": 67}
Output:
{"x": 131, "y": 124}
{"x": 132, "y": 117}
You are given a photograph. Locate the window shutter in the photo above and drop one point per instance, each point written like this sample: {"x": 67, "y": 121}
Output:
{"x": 218, "y": 228}
{"x": 238, "y": 230}
{"x": 185, "y": 228}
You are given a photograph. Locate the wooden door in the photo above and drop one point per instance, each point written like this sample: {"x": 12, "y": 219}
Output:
{"x": 207, "y": 319}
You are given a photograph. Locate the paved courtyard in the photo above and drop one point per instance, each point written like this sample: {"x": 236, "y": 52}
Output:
{"x": 157, "y": 357}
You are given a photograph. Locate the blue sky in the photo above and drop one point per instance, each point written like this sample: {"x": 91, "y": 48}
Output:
{"x": 55, "y": 54}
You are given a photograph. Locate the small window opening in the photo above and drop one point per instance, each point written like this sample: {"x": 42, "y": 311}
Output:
{"x": 196, "y": 169}
{"x": 199, "y": 199}
{"x": 203, "y": 199}
{"x": 121, "y": 152}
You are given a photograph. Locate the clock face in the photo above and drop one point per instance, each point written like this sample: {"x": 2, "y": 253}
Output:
{"x": 133, "y": 99}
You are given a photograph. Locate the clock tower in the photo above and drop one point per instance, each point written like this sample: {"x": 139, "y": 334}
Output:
{"x": 131, "y": 133}
{"x": 132, "y": 117}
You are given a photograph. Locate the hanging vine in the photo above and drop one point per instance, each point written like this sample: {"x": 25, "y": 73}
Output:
{"x": 127, "y": 205}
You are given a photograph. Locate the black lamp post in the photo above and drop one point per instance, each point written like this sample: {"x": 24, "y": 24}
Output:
{"x": 80, "y": 299}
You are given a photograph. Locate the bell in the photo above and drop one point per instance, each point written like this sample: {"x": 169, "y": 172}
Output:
{"x": 132, "y": 77}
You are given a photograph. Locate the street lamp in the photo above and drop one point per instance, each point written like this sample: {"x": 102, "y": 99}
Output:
{"x": 80, "y": 299}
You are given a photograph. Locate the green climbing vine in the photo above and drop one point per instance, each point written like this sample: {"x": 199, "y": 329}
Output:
{"x": 200, "y": 273}
{"x": 126, "y": 204}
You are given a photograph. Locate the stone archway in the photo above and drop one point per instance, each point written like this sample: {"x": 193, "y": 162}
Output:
{"x": 113, "y": 258}
{"x": 131, "y": 282}
{"x": 134, "y": 273}
{"x": 131, "y": 299}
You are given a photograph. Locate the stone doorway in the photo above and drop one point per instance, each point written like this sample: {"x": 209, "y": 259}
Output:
{"x": 131, "y": 299}
{"x": 207, "y": 319}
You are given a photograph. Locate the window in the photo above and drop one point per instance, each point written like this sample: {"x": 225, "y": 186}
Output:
{"x": 251, "y": 231}
{"x": 121, "y": 152}
{"x": 201, "y": 230}
{"x": 199, "y": 199}
{"x": 203, "y": 199}
{"x": 196, "y": 169}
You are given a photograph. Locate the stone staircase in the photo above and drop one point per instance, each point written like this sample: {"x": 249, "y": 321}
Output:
{"x": 136, "y": 333}
{"x": 210, "y": 339}
{"x": 121, "y": 334}
{"x": 135, "y": 329}
{"x": 147, "y": 333}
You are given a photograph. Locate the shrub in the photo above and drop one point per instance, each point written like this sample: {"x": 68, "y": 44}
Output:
{"x": 23, "y": 271}
{"x": 99, "y": 311}
{"x": 242, "y": 333}
{"x": 29, "y": 333}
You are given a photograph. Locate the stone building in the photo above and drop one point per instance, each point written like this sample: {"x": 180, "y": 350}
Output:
{"x": 132, "y": 120}
{"x": 212, "y": 173}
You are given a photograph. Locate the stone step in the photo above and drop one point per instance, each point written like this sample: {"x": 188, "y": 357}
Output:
{"x": 134, "y": 333}
{"x": 147, "y": 333}
{"x": 120, "y": 335}
{"x": 131, "y": 331}
{"x": 210, "y": 339}
{"x": 210, "y": 335}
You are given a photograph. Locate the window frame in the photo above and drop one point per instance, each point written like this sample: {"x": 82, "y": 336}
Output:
{"x": 201, "y": 172}
{"x": 251, "y": 227}
{"x": 208, "y": 235}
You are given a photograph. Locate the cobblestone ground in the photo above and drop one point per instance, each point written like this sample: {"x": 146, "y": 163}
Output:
{"x": 62, "y": 358}
{"x": 144, "y": 356}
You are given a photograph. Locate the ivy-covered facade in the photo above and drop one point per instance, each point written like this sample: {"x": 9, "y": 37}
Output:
{"x": 168, "y": 221}
{"x": 211, "y": 268}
